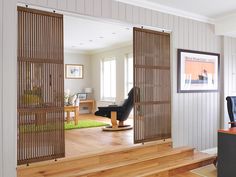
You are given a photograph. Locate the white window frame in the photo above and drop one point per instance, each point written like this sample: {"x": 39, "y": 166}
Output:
{"x": 126, "y": 84}
{"x": 104, "y": 83}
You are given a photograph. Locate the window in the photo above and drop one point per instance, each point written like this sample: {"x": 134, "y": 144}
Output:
{"x": 108, "y": 79}
{"x": 128, "y": 73}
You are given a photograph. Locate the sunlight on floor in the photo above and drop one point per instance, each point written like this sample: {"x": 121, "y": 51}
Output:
{"x": 93, "y": 140}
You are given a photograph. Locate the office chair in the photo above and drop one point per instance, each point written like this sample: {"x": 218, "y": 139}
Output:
{"x": 231, "y": 106}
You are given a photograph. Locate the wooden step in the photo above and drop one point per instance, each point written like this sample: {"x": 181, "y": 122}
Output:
{"x": 161, "y": 167}
{"x": 67, "y": 165}
{"x": 149, "y": 160}
{"x": 182, "y": 165}
{"x": 187, "y": 174}
{"x": 145, "y": 160}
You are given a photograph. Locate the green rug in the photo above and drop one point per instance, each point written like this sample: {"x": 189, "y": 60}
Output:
{"x": 84, "y": 124}
{"x": 51, "y": 127}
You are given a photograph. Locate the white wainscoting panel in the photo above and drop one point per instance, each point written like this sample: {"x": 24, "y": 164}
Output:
{"x": 229, "y": 74}
{"x": 195, "y": 116}
{"x": 1, "y": 83}
{"x": 8, "y": 83}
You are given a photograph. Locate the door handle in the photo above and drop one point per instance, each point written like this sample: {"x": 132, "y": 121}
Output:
{"x": 50, "y": 80}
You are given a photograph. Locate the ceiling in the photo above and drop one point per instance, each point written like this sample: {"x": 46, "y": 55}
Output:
{"x": 221, "y": 13}
{"x": 209, "y": 8}
{"x": 86, "y": 35}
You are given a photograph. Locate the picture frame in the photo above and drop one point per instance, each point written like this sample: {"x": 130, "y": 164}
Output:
{"x": 197, "y": 71}
{"x": 74, "y": 71}
{"x": 82, "y": 96}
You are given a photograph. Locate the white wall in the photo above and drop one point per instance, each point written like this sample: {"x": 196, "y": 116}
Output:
{"x": 226, "y": 25}
{"x": 8, "y": 83}
{"x": 75, "y": 84}
{"x": 229, "y": 75}
{"x": 119, "y": 54}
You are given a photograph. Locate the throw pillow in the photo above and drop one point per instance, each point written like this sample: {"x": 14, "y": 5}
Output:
{"x": 66, "y": 99}
{"x": 71, "y": 100}
{"x": 77, "y": 100}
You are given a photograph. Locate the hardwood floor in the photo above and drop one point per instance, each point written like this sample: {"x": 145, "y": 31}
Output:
{"x": 93, "y": 152}
{"x": 187, "y": 174}
{"x": 94, "y": 140}
{"x": 149, "y": 160}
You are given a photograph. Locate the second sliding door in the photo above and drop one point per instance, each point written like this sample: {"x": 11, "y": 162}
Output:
{"x": 152, "y": 110}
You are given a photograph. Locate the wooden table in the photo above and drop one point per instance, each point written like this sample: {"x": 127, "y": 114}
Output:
{"x": 88, "y": 103}
{"x": 68, "y": 110}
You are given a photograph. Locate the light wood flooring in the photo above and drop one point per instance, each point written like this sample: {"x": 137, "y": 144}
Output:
{"x": 152, "y": 159}
{"x": 94, "y": 140}
{"x": 99, "y": 153}
{"x": 188, "y": 174}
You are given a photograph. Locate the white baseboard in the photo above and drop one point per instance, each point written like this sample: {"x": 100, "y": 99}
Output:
{"x": 210, "y": 151}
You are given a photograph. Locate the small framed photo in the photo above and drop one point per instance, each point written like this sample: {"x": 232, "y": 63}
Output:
{"x": 74, "y": 71}
{"x": 82, "y": 96}
{"x": 197, "y": 71}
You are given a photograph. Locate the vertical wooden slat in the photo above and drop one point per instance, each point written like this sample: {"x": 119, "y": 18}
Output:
{"x": 40, "y": 56}
{"x": 152, "y": 118}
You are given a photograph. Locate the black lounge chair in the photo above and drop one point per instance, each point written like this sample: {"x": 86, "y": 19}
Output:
{"x": 116, "y": 112}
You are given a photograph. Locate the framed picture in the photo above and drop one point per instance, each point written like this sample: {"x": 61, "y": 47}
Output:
{"x": 82, "y": 96}
{"x": 197, "y": 71}
{"x": 74, "y": 71}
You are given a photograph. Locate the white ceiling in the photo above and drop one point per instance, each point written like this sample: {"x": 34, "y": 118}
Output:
{"x": 202, "y": 10}
{"x": 87, "y": 35}
{"x": 209, "y": 8}
{"x": 221, "y": 13}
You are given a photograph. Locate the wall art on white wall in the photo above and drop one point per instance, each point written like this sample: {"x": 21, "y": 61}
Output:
{"x": 74, "y": 71}
{"x": 197, "y": 71}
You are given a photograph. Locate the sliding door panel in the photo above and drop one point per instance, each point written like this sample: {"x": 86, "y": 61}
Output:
{"x": 152, "y": 110}
{"x": 40, "y": 92}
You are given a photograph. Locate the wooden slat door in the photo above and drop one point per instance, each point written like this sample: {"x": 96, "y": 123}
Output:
{"x": 152, "y": 101}
{"x": 40, "y": 94}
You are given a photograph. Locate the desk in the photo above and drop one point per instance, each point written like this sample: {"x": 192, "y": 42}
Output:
{"x": 226, "y": 152}
{"x": 88, "y": 103}
{"x": 74, "y": 109}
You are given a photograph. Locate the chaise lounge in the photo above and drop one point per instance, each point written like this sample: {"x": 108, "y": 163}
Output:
{"x": 118, "y": 113}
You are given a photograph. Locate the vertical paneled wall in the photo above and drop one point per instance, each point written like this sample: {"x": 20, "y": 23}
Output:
{"x": 1, "y": 83}
{"x": 8, "y": 82}
{"x": 229, "y": 74}
{"x": 195, "y": 116}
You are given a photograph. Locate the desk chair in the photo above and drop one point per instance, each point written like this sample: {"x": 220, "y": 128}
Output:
{"x": 231, "y": 106}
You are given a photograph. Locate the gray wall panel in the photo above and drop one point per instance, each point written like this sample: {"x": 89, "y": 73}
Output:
{"x": 8, "y": 88}
{"x": 229, "y": 74}
{"x": 1, "y": 75}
